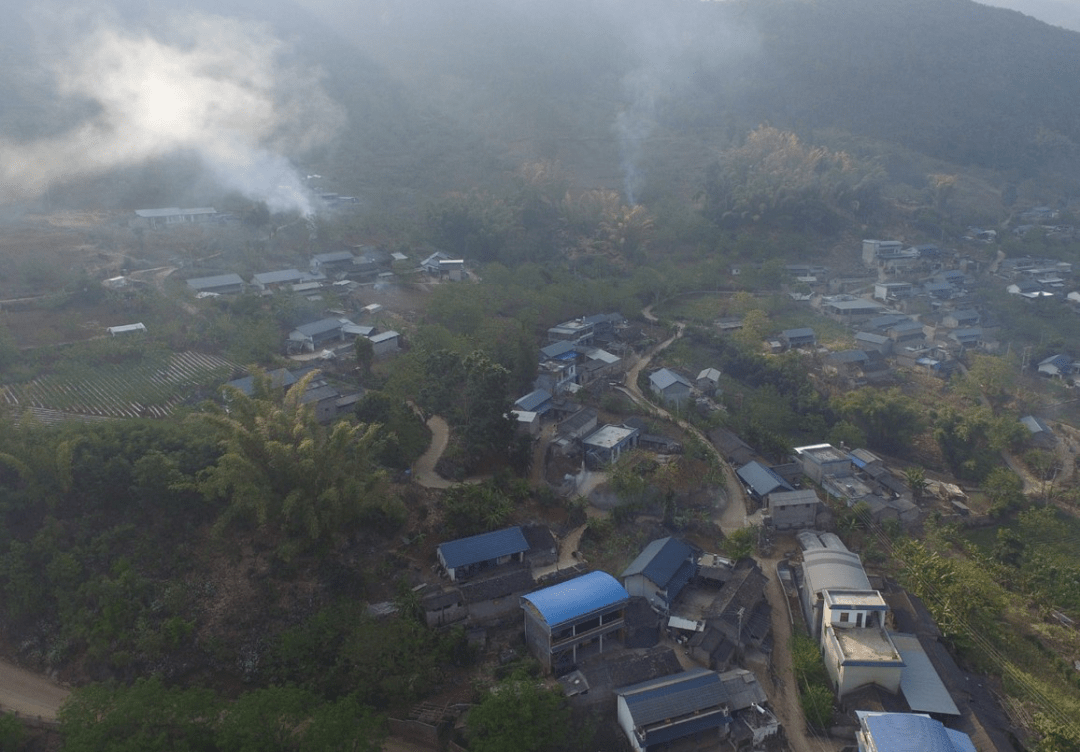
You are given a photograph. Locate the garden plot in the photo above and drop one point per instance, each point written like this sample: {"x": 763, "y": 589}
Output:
{"x": 151, "y": 388}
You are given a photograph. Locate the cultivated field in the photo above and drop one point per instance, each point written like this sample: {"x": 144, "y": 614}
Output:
{"x": 151, "y": 388}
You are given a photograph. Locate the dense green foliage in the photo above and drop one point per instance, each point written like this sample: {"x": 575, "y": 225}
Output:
{"x": 815, "y": 694}
{"x": 521, "y": 715}
{"x": 150, "y": 717}
{"x": 382, "y": 663}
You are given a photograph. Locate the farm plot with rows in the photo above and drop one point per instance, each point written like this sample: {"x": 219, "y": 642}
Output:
{"x": 151, "y": 388}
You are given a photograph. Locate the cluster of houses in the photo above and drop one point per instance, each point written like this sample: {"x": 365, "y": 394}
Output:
{"x": 327, "y": 401}
{"x": 602, "y": 637}
{"x": 343, "y": 269}
{"x": 336, "y": 268}
{"x": 330, "y": 333}
{"x": 578, "y": 353}
{"x": 853, "y": 477}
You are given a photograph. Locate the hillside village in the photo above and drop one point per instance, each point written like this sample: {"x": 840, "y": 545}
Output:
{"x": 678, "y": 648}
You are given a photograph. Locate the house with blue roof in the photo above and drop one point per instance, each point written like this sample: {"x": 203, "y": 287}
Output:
{"x": 466, "y": 557}
{"x": 671, "y": 387}
{"x": 661, "y": 571}
{"x": 568, "y": 622}
{"x": 760, "y": 481}
{"x": 689, "y": 705}
{"x": 537, "y": 401}
{"x": 908, "y": 732}
{"x": 561, "y": 349}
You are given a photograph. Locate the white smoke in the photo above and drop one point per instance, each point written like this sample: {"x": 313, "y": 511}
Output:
{"x": 204, "y": 85}
{"x": 671, "y": 44}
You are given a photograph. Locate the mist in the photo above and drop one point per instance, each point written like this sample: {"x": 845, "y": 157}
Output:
{"x": 229, "y": 93}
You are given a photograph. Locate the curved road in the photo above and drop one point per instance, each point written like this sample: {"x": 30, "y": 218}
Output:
{"x": 29, "y": 694}
{"x": 733, "y": 514}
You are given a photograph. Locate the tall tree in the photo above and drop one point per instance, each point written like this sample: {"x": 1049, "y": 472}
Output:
{"x": 287, "y": 474}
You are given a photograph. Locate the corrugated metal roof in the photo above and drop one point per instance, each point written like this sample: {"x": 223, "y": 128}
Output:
{"x": 533, "y": 400}
{"x": 762, "y": 480}
{"x": 221, "y": 280}
{"x": 920, "y": 683}
{"x": 908, "y": 732}
{"x": 742, "y": 689}
{"x": 282, "y": 275}
{"x": 665, "y": 377}
{"x": 321, "y": 326}
{"x": 582, "y": 595}
{"x": 660, "y": 560}
{"x": 682, "y": 729}
{"x": 673, "y": 696}
{"x": 383, "y": 337}
{"x": 556, "y": 349}
{"x": 324, "y": 258}
{"x": 483, "y": 547}
{"x": 829, "y": 569}
{"x": 174, "y": 212}
{"x": 1035, "y": 425}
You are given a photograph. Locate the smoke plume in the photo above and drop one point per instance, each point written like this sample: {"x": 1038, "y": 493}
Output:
{"x": 205, "y": 85}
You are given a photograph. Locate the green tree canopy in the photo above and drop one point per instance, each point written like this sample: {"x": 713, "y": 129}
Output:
{"x": 520, "y": 715}
{"x": 285, "y": 473}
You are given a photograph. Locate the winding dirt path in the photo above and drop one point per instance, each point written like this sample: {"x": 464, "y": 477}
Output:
{"x": 424, "y": 468}
{"x": 732, "y": 515}
{"x": 29, "y": 694}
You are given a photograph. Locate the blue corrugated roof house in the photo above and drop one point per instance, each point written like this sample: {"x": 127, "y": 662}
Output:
{"x": 761, "y": 480}
{"x": 578, "y": 618}
{"x": 578, "y": 597}
{"x": 672, "y": 707}
{"x": 661, "y": 570}
{"x": 911, "y": 732}
{"x": 538, "y": 401}
{"x": 464, "y": 556}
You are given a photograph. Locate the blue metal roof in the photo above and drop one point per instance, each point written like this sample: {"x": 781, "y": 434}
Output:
{"x": 577, "y": 597}
{"x": 483, "y": 547}
{"x": 669, "y": 697}
{"x": 907, "y": 732}
{"x": 660, "y": 560}
{"x": 533, "y": 400}
{"x": 762, "y": 480}
{"x": 555, "y": 349}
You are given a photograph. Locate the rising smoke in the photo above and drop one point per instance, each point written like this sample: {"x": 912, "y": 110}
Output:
{"x": 204, "y": 85}
{"x": 670, "y": 45}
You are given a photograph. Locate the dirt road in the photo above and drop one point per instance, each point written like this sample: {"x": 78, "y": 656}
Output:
{"x": 779, "y": 682}
{"x": 29, "y": 694}
{"x": 424, "y": 468}
{"x": 732, "y": 514}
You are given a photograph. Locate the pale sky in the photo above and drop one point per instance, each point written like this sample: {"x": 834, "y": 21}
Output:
{"x": 1064, "y": 13}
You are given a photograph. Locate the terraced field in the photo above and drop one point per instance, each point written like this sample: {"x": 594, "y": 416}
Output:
{"x": 150, "y": 389}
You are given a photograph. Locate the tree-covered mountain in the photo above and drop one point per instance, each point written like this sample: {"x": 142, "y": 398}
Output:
{"x": 639, "y": 95}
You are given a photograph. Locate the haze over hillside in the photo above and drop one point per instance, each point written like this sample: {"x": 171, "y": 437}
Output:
{"x": 398, "y": 101}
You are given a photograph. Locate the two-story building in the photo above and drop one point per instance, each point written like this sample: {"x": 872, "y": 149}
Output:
{"x": 567, "y": 622}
